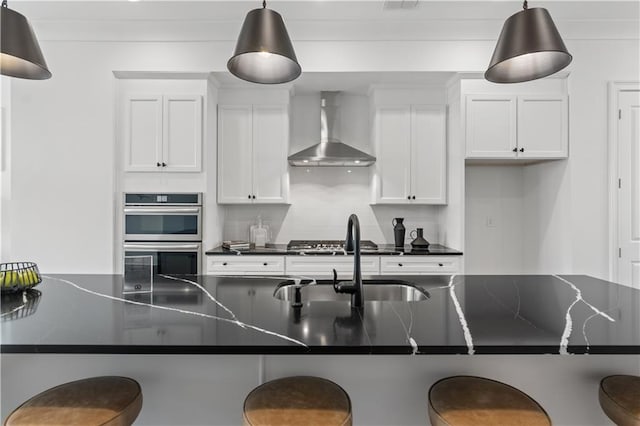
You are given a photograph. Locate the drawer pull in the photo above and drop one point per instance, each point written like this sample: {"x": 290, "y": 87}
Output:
{"x": 399, "y": 264}
{"x": 265, "y": 263}
{"x": 440, "y": 264}
{"x": 224, "y": 263}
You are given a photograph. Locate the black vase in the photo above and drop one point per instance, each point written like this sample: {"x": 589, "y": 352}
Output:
{"x": 398, "y": 231}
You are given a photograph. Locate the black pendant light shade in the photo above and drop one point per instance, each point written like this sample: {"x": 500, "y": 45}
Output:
{"x": 20, "y": 54}
{"x": 264, "y": 53}
{"x": 529, "y": 47}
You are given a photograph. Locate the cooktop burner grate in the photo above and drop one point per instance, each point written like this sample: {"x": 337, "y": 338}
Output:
{"x": 327, "y": 245}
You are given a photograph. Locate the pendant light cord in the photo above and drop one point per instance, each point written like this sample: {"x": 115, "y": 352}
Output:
{"x": 264, "y": 3}
{"x": 4, "y": 4}
{"x": 525, "y": 6}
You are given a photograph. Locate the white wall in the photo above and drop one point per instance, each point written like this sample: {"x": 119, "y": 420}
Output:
{"x": 5, "y": 164}
{"x": 494, "y": 226}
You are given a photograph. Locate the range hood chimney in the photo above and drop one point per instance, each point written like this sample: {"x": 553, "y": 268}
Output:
{"x": 330, "y": 152}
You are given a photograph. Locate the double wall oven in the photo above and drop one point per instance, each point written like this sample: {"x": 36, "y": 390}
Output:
{"x": 167, "y": 227}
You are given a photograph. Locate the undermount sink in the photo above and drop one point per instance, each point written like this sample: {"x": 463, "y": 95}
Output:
{"x": 374, "y": 290}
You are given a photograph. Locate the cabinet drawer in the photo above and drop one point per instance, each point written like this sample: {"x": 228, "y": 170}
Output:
{"x": 417, "y": 265}
{"x": 322, "y": 266}
{"x": 245, "y": 265}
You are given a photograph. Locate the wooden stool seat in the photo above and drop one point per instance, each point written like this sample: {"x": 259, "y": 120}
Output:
{"x": 107, "y": 401}
{"x": 475, "y": 401}
{"x": 297, "y": 401}
{"x": 619, "y": 397}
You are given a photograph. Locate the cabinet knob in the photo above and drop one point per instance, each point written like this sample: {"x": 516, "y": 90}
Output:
{"x": 399, "y": 264}
{"x": 521, "y": 149}
{"x": 158, "y": 164}
{"x": 440, "y": 264}
{"x": 249, "y": 196}
{"x": 515, "y": 150}
{"x": 414, "y": 197}
{"x": 224, "y": 263}
{"x": 408, "y": 197}
{"x": 265, "y": 263}
{"x": 254, "y": 197}
{"x": 164, "y": 164}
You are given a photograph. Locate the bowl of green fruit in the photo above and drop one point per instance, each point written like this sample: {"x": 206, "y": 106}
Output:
{"x": 18, "y": 276}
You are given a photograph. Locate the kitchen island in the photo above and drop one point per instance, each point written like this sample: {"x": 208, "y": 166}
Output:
{"x": 198, "y": 346}
{"x": 465, "y": 314}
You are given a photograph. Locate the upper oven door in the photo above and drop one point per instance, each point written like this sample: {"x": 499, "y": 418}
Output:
{"x": 162, "y": 223}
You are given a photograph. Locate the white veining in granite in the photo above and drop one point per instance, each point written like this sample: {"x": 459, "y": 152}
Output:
{"x": 568, "y": 328}
{"x": 204, "y": 290}
{"x": 463, "y": 321}
{"x": 407, "y": 330}
{"x": 182, "y": 311}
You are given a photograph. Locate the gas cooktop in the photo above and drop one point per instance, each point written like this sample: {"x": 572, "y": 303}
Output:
{"x": 327, "y": 245}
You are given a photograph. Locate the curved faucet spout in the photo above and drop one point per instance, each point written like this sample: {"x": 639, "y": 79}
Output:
{"x": 352, "y": 243}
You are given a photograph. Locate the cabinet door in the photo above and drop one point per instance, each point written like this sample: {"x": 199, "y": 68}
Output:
{"x": 142, "y": 127}
{"x": 428, "y": 154}
{"x": 491, "y": 126}
{"x": 234, "y": 154}
{"x": 270, "y": 147}
{"x": 393, "y": 147}
{"x": 182, "y": 133}
{"x": 323, "y": 266}
{"x": 418, "y": 265}
{"x": 245, "y": 265}
{"x": 543, "y": 130}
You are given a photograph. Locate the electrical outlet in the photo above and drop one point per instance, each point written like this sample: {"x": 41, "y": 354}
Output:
{"x": 491, "y": 223}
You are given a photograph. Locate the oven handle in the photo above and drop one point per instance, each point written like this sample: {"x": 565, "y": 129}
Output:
{"x": 163, "y": 210}
{"x": 161, "y": 247}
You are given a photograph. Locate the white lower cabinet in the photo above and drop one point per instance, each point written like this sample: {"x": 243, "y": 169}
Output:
{"x": 323, "y": 266}
{"x": 245, "y": 265}
{"x": 418, "y": 265}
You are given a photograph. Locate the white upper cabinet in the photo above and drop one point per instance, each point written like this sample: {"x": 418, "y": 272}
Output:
{"x": 393, "y": 152}
{"x": 253, "y": 143}
{"x": 522, "y": 126}
{"x": 235, "y": 140}
{"x": 163, "y": 133}
{"x": 411, "y": 153}
{"x": 491, "y": 126}
{"x": 543, "y": 127}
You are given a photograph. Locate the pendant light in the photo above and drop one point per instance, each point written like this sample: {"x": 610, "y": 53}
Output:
{"x": 529, "y": 47}
{"x": 264, "y": 53}
{"x": 20, "y": 54}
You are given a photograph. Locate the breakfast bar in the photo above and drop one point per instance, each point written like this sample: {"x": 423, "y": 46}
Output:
{"x": 445, "y": 314}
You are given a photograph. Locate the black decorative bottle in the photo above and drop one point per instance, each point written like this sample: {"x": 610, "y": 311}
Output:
{"x": 398, "y": 231}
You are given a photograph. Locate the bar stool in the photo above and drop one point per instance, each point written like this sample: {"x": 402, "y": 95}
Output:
{"x": 619, "y": 397}
{"x": 108, "y": 401}
{"x": 476, "y": 401}
{"x": 300, "y": 400}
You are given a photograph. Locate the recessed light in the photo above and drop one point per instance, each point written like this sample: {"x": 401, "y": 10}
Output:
{"x": 305, "y": 161}
{"x": 349, "y": 171}
{"x": 357, "y": 161}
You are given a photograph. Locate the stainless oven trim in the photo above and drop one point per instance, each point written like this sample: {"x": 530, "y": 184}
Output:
{"x": 160, "y": 247}
{"x": 157, "y": 211}
{"x": 161, "y": 210}
{"x": 124, "y": 200}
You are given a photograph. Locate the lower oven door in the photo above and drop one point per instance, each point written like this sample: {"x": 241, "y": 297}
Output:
{"x": 169, "y": 258}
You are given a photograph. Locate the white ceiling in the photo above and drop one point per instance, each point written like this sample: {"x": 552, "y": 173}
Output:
{"x": 317, "y": 10}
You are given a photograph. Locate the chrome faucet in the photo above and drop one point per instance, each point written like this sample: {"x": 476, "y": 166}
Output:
{"x": 354, "y": 287}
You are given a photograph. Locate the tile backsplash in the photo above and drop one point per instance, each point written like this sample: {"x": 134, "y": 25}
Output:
{"x": 321, "y": 201}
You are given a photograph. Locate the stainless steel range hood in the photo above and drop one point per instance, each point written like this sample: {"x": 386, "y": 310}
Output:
{"x": 330, "y": 152}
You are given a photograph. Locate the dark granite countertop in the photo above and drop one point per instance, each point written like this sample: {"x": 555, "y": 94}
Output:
{"x": 383, "y": 250}
{"x": 239, "y": 315}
